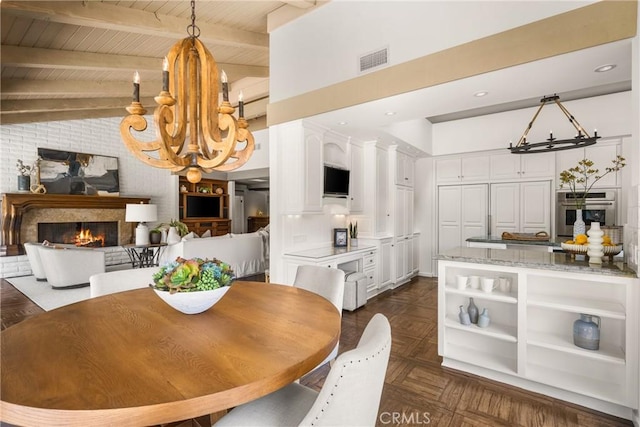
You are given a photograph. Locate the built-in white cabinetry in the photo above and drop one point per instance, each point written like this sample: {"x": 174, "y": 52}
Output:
{"x": 301, "y": 150}
{"x": 602, "y": 154}
{"x": 529, "y": 341}
{"x": 522, "y": 166}
{"x": 386, "y": 249}
{"x": 521, "y": 207}
{"x": 404, "y": 169}
{"x": 383, "y": 205}
{"x": 463, "y": 212}
{"x": 356, "y": 181}
{"x": 462, "y": 169}
{"x": 403, "y": 234}
{"x": 383, "y": 274}
{"x": 377, "y": 207}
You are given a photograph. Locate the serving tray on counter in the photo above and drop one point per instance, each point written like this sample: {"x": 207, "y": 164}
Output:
{"x": 539, "y": 236}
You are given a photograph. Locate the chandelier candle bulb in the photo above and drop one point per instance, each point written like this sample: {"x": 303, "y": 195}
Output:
{"x": 240, "y": 105}
{"x": 136, "y": 87}
{"x": 165, "y": 75}
{"x": 225, "y": 86}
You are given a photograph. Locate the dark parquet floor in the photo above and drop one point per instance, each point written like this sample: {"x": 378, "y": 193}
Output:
{"x": 418, "y": 391}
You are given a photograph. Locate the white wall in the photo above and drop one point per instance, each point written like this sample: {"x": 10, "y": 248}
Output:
{"x": 304, "y": 57}
{"x": 609, "y": 114}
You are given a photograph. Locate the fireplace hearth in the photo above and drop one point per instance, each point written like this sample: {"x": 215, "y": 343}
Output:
{"x": 83, "y": 234}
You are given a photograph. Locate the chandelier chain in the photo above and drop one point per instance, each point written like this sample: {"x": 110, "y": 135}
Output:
{"x": 193, "y": 30}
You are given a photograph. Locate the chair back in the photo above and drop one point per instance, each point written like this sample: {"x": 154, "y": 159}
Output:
{"x": 324, "y": 281}
{"x": 121, "y": 280}
{"x": 351, "y": 392}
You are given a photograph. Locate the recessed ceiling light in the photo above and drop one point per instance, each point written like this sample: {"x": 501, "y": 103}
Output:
{"x": 481, "y": 93}
{"x": 605, "y": 68}
{"x": 390, "y": 113}
{"x": 342, "y": 123}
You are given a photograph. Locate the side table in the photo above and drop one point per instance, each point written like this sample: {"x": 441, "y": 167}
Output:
{"x": 144, "y": 255}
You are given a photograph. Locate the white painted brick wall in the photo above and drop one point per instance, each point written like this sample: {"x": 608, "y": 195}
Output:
{"x": 93, "y": 136}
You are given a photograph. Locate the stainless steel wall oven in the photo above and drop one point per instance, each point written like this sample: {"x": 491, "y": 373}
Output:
{"x": 600, "y": 206}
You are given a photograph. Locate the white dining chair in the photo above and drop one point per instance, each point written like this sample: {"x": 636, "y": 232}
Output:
{"x": 326, "y": 282}
{"x": 350, "y": 395}
{"x": 121, "y": 280}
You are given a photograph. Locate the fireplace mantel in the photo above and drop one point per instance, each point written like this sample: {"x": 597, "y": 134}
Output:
{"x": 14, "y": 205}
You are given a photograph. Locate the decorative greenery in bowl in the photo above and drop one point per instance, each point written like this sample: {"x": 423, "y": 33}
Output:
{"x": 194, "y": 285}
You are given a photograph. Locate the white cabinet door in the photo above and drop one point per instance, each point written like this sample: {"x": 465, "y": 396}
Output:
{"x": 475, "y": 168}
{"x": 448, "y": 170}
{"x": 462, "y": 213}
{"x": 505, "y": 208}
{"x": 401, "y": 260}
{"x": 356, "y": 182}
{"x": 383, "y": 204}
{"x": 521, "y": 207}
{"x": 535, "y": 203}
{"x": 385, "y": 262}
{"x": 404, "y": 170}
{"x": 600, "y": 154}
{"x": 522, "y": 166}
{"x": 313, "y": 181}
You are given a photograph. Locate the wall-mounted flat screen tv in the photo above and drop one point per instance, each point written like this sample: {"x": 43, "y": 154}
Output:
{"x": 336, "y": 182}
{"x": 202, "y": 206}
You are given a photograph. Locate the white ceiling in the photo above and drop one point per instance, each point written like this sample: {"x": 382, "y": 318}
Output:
{"x": 571, "y": 76}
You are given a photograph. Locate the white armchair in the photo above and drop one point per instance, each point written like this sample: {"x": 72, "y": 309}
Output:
{"x": 350, "y": 395}
{"x": 69, "y": 267}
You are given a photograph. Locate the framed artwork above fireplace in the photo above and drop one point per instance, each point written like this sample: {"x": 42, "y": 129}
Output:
{"x": 68, "y": 172}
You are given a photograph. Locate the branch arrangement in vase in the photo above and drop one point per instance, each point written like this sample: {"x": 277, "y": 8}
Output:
{"x": 581, "y": 178}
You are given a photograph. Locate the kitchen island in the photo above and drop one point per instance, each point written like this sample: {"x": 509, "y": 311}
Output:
{"x": 497, "y": 242}
{"x": 529, "y": 340}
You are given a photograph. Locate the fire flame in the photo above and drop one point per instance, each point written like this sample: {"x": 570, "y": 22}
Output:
{"x": 85, "y": 238}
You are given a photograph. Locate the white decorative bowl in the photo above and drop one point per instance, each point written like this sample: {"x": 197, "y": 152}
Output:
{"x": 192, "y": 302}
{"x": 582, "y": 249}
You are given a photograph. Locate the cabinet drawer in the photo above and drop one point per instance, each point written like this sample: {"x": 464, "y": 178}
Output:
{"x": 369, "y": 260}
{"x": 371, "y": 278}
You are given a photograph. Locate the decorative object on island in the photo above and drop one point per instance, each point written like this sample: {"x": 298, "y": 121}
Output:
{"x": 69, "y": 172}
{"x": 141, "y": 213}
{"x": 353, "y": 234}
{"x": 580, "y": 179}
{"x": 192, "y": 286}
{"x": 594, "y": 247}
{"x": 340, "y": 237}
{"x": 586, "y": 332}
{"x": 582, "y": 138}
{"x": 483, "y": 319}
{"x": 24, "y": 176}
{"x": 464, "y": 316}
{"x": 189, "y": 99}
{"x": 472, "y": 309}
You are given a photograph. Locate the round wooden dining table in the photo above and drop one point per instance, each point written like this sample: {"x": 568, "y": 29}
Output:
{"x": 129, "y": 359}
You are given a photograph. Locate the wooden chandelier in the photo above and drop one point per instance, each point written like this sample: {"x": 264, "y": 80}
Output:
{"x": 193, "y": 131}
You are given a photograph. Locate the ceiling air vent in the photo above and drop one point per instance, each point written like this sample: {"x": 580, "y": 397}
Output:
{"x": 374, "y": 59}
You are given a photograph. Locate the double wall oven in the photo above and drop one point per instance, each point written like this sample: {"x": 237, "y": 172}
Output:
{"x": 600, "y": 206}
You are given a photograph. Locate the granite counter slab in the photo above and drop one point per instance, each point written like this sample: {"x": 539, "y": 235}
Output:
{"x": 498, "y": 239}
{"x": 534, "y": 259}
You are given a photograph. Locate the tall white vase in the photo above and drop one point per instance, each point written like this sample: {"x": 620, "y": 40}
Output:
{"x": 579, "y": 226}
{"x": 595, "y": 250}
{"x": 173, "y": 236}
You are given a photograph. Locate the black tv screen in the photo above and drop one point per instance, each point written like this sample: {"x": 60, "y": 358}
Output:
{"x": 336, "y": 182}
{"x": 202, "y": 206}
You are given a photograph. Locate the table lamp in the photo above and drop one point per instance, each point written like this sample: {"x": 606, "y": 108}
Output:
{"x": 141, "y": 213}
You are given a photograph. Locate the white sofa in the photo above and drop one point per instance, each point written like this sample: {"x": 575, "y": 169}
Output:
{"x": 246, "y": 253}
{"x": 121, "y": 280}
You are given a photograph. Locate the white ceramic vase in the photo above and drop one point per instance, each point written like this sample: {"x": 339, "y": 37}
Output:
{"x": 173, "y": 236}
{"x": 595, "y": 250}
{"x": 579, "y": 227}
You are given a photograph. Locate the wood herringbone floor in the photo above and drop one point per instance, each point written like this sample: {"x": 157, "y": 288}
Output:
{"x": 418, "y": 391}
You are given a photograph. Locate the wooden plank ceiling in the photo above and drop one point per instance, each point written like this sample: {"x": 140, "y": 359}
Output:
{"x": 64, "y": 60}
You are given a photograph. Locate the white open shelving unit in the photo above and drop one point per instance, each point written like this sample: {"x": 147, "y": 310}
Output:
{"x": 529, "y": 342}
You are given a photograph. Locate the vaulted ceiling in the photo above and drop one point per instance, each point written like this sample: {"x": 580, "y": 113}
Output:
{"x": 64, "y": 60}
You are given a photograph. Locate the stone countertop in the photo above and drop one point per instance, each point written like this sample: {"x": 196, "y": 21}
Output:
{"x": 535, "y": 259}
{"x": 329, "y": 251}
{"x": 497, "y": 239}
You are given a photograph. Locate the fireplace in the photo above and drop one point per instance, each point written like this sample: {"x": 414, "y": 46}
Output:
{"x": 80, "y": 233}
{"x": 21, "y": 212}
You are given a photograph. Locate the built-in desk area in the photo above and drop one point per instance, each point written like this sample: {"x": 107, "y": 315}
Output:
{"x": 359, "y": 258}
